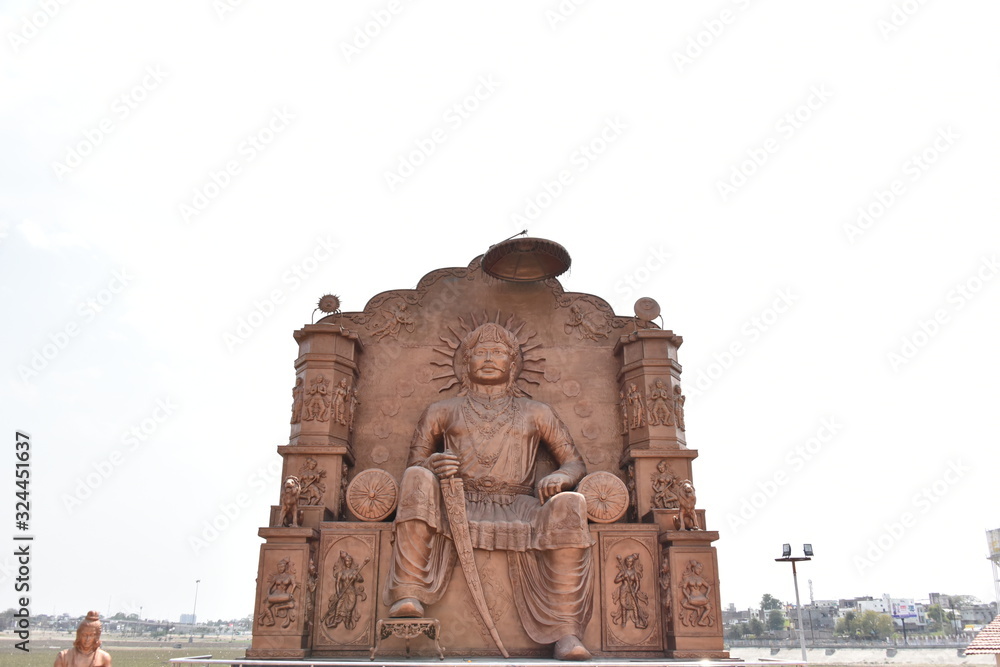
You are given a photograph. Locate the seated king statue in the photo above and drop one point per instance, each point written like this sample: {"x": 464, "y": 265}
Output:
{"x": 489, "y": 436}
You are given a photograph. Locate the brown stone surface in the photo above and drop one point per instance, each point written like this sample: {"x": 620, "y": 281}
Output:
{"x": 362, "y": 382}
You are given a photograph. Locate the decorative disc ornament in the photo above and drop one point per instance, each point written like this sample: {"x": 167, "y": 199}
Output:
{"x": 646, "y": 309}
{"x": 526, "y": 260}
{"x": 372, "y": 495}
{"x": 606, "y": 496}
{"x": 329, "y": 303}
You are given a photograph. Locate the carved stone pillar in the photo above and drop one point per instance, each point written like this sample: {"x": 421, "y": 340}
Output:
{"x": 689, "y": 585}
{"x": 652, "y": 404}
{"x": 285, "y": 595}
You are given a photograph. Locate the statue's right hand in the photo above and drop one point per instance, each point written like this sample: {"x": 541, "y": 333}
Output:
{"x": 443, "y": 464}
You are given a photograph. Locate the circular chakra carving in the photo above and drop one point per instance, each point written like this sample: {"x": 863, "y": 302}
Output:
{"x": 606, "y": 495}
{"x": 372, "y": 495}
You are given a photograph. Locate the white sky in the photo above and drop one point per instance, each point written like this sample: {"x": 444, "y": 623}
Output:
{"x": 197, "y": 85}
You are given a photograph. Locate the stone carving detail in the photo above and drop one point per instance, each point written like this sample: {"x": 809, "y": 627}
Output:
{"x": 86, "y": 650}
{"x": 347, "y": 592}
{"x": 311, "y": 480}
{"x": 686, "y": 498}
{"x": 628, "y": 596}
{"x": 623, "y": 405}
{"x": 606, "y": 495}
{"x": 297, "y": 401}
{"x": 498, "y": 600}
{"x": 312, "y": 580}
{"x": 633, "y": 501}
{"x": 587, "y": 325}
{"x": 407, "y": 629}
{"x": 372, "y": 495}
{"x": 679, "y": 399}
{"x": 395, "y": 318}
{"x": 318, "y": 404}
{"x": 341, "y": 402}
{"x": 696, "y": 602}
{"x": 664, "y": 483}
{"x": 288, "y": 511}
{"x": 352, "y": 408}
{"x": 665, "y": 592}
{"x": 278, "y": 601}
{"x": 343, "y": 490}
{"x": 638, "y": 407}
{"x": 659, "y": 404}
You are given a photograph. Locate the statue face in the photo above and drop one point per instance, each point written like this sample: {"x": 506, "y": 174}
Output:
{"x": 490, "y": 363}
{"x": 87, "y": 637}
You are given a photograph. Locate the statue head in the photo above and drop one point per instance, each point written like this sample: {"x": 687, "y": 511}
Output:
{"x": 491, "y": 356}
{"x": 347, "y": 559}
{"x": 88, "y": 633}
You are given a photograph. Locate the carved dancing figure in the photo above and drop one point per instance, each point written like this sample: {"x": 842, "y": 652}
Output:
{"x": 663, "y": 487}
{"x": 489, "y": 435}
{"x": 86, "y": 650}
{"x": 695, "y": 601}
{"x": 396, "y": 318}
{"x": 578, "y": 320}
{"x": 347, "y": 592}
{"x": 297, "y": 401}
{"x": 352, "y": 408}
{"x": 318, "y": 407}
{"x": 288, "y": 511}
{"x": 311, "y": 481}
{"x": 623, "y": 404}
{"x": 688, "y": 518}
{"x": 279, "y": 597}
{"x": 665, "y": 590}
{"x": 659, "y": 412}
{"x": 629, "y": 598}
{"x": 679, "y": 399}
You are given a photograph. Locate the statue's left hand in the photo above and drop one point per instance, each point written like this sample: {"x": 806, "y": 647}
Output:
{"x": 552, "y": 484}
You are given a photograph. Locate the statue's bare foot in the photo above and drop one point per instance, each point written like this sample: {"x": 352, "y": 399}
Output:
{"x": 570, "y": 648}
{"x": 407, "y": 608}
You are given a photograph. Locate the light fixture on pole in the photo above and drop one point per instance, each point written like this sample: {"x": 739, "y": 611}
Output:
{"x": 786, "y": 557}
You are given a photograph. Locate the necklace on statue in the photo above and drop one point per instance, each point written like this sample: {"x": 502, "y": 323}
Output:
{"x": 489, "y": 416}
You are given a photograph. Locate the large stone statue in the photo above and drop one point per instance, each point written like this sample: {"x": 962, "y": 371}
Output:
{"x": 86, "y": 651}
{"x": 489, "y": 436}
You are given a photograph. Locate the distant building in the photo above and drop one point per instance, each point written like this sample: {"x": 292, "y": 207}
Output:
{"x": 189, "y": 619}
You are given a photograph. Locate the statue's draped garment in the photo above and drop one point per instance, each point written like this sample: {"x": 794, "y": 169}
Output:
{"x": 549, "y": 546}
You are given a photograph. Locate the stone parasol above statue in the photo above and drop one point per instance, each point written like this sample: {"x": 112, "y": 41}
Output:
{"x": 491, "y": 465}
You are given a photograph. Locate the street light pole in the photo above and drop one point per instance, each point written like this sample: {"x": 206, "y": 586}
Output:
{"x": 787, "y": 558}
{"x": 194, "y": 610}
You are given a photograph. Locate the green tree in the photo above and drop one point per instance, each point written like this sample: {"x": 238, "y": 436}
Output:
{"x": 775, "y": 621}
{"x": 769, "y": 602}
{"x": 935, "y": 612}
{"x": 755, "y": 627}
{"x": 736, "y": 630}
{"x": 866, "y": 625}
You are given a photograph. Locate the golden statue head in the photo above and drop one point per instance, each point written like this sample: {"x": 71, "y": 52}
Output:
{"x": 88, "y": 633}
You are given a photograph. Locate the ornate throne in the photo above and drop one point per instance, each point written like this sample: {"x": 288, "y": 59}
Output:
{"x": 362, "y": 381}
